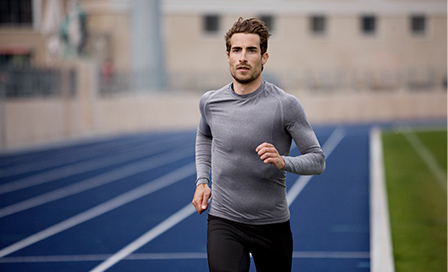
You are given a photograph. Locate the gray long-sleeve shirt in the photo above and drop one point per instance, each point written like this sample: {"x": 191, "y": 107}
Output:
{"x": 244, "y": 189}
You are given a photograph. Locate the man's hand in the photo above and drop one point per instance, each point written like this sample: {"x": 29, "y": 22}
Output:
{"x": 201, "y": 197}
{"x": 269, "y": 154}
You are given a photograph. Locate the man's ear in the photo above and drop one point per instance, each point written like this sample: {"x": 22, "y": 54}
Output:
{"x": 264, "y": 58}
{"x": 228, "y": 56}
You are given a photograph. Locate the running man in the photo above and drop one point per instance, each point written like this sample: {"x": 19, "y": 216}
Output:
{"x": 243, "y": 138}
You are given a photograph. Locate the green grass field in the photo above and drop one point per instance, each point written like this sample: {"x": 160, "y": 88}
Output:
{"x": 417, "y": 196}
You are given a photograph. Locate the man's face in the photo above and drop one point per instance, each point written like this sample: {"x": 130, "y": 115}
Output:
{"x": 245, "y": 59}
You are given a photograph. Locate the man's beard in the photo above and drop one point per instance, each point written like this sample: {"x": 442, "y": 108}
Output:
{"x": 246, "y": 79}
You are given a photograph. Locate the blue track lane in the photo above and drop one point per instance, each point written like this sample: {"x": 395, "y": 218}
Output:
{"x": 329, "y": 218}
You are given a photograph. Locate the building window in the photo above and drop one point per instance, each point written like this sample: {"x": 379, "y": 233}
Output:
{"x": 418, "y": 24}
{"x": 268, "y": 21}
{"x": 318, "y": 25}
{"x": 16, "y": 12}
{"x": 368, "y": 24}
{"x": 211, "y": 24}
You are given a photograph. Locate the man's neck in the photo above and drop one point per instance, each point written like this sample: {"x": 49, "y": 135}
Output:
{"x": 243, "y": 89}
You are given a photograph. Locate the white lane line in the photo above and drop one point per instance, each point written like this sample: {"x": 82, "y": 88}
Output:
{"x": 96, "y": 181}
{"x": 82, "y": 153}
{"x": 427, "y": 157}
{"x": 167, "y": 256}
{"x": 81, "y": 167}
{"x": 55, "y": 258}
{"x": 176, "y": 256}
{"x": 331, "y": 254}
{"x": 105, "y": 207}
{"x": 333, "y": 141}
{"x": 380, "y": 238}
{"x": 61, "y": 157}
{"x": 146, "y": 238}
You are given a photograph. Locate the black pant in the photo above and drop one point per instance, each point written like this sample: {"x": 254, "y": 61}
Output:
{"x": 229, "y": 244}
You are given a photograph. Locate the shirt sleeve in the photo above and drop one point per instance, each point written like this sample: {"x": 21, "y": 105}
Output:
{"x": 203, "y": 158}
{"x": 312, "y": 159}
{"x": 203, "y": 146}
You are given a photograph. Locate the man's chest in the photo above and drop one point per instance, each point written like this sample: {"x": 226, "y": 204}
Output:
{"x": 244, "y": 126}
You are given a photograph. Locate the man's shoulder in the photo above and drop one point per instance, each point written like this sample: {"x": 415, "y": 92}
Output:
{"x": 279, "y": 93}
{"x": 215, "y": 93}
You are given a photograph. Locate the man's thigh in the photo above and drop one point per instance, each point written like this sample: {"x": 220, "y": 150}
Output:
{"x": 272, "y": 248}
{"x": 226, "y": 247}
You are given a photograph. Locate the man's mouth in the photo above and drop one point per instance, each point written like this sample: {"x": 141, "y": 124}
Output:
{"x": 243, "y": 68}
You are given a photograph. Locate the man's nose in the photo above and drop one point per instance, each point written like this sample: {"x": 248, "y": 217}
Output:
{"x": 243, "y": 56}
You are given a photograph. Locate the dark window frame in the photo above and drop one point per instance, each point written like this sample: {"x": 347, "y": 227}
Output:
{"x": 369, "y": 24}
{"x": 418, "y": 24}
{"x": 269, "y": 21}
{"x": 211, "y": 24}
{"x": 16, "y": 12}
{"x": 318, "y": 24}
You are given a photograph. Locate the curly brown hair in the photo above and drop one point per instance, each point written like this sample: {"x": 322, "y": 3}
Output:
{"x": 252, "y": 25}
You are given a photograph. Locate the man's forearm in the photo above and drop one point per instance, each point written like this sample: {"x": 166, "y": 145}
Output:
{"x": 307, "y": 164}
{"x": 203, "y": 158}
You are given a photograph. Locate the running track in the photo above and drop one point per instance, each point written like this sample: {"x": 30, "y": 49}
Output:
{"x": 123, "y": 204}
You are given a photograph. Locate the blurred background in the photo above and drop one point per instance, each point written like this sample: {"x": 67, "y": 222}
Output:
{"x": 75, "y": 69}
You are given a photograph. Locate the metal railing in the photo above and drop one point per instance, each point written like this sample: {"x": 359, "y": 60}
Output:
{"x": 30, "y": 82}
{"x": 313, "y": 81}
